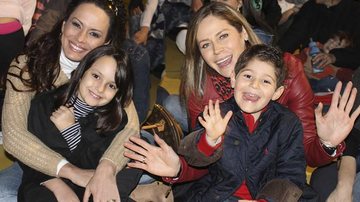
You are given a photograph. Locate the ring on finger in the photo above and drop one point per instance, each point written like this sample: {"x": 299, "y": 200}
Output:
{"x": 143, "y": 160}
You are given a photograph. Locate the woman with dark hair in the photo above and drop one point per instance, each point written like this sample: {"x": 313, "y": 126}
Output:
{"x": 47, "y": 64}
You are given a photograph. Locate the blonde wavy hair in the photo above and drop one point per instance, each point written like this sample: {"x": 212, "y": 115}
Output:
{"x": 193, "y": 74}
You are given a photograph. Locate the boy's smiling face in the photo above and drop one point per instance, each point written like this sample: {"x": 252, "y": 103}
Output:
{"x": 255, "y": 86}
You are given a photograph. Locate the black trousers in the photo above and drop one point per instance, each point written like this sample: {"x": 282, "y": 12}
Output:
{"x": 10, "y": 46}
{"x": 127, "y": 179}
{"x": 324, "y": 180}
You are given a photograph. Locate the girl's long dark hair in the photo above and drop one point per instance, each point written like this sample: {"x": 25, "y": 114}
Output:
{"x": 110, "y": 115}
{"x": 43, "y": 55}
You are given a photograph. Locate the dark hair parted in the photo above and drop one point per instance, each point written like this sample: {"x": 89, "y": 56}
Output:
{"x": 43, "y": 55}
{"x": 110, "y": 115}
{"x": 264, "y": 53}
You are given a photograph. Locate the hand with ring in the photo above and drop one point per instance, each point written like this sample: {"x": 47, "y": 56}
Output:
{"x": 143, "y": 160}
{"x": 161, "y": 161}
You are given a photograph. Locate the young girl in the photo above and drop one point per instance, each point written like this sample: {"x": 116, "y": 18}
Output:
{"x": 79, "y": 121}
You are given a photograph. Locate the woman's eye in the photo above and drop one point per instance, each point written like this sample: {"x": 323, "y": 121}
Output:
{"x": 205, "y": 45}
{"x": 75, "y": 24}
{"x": 223, "y": 36}
{"x": 267, "y": 81}
{"x": 94, "y": 34}
{"x": 95, "y": 76}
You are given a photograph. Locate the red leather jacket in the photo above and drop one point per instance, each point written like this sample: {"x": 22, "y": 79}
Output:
{"x": 297, "y": 96}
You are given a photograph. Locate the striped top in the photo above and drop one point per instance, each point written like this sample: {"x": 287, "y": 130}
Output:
{"x": 72, "y": 134}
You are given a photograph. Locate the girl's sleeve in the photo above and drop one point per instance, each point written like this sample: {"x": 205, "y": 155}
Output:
{"x": 17, "y": 140}
{"x": 116, "y": 149}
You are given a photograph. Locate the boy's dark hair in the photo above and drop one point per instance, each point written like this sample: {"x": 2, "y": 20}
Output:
{"x": 264, "y": 53}
{"x": 111, "y": 114}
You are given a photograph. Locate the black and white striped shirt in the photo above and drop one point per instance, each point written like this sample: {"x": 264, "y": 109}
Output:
{"x": 72, "y": 134}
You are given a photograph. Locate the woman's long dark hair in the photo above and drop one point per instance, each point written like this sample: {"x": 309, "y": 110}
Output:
{"x": 111, "y": 114}
{"x": 43, "y": 55}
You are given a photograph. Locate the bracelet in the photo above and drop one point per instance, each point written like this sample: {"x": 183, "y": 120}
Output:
{"x": 329, "y": 149}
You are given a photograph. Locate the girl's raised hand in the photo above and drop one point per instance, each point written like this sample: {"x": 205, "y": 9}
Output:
{"x": 213, "y": 122}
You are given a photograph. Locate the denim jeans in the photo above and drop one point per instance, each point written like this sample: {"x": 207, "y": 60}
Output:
{"x": 175, "y": 14}
{"x": 266, "y": 38}
{"x": 10, "y": 180}
{"x": 172, "y": 104}
{"x": 139, "y": 60}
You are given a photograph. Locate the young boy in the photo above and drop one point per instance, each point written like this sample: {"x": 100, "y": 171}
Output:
{"x": 260, "y": 141}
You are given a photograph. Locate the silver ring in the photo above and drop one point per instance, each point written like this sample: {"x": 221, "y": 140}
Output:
{"x": 143, "y": 160}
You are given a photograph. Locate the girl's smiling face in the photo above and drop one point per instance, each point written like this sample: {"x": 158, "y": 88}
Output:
{"x": 220, "y": 44}
{"x": 97, "y": 85}
{"x": 86, "y": 29}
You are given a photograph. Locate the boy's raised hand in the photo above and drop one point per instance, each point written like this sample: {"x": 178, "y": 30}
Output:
{"x": 213, "y": 122}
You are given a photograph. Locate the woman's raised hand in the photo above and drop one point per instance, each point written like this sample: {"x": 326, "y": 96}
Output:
{"x": 336, "y": 124}
{"x": 161, "y": 161}
{"x": 213, "y": 122}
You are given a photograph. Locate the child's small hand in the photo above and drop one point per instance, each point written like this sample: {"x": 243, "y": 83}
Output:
{"x": 63, "y": 117}
{"x": 141, "y": 36}
{"x": 213, "y": 122}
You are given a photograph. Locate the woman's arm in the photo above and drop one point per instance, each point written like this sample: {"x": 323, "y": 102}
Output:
{"x": 18, "y": 141}
{"x": 114, "y": 153}
{"x": 346, "y": 177}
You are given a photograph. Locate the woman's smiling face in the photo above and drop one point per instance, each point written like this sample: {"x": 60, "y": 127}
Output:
{"x": 220, "y": 44}
{"x": 86, "y": 29}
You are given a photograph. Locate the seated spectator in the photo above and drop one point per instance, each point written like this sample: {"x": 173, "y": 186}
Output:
{"x": 289, "y": 8}
{"x": 320, "y": 20}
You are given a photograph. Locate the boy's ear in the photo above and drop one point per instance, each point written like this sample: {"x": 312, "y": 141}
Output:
{"x": 278, "y": 92}
{"x": 232, "y": 79}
